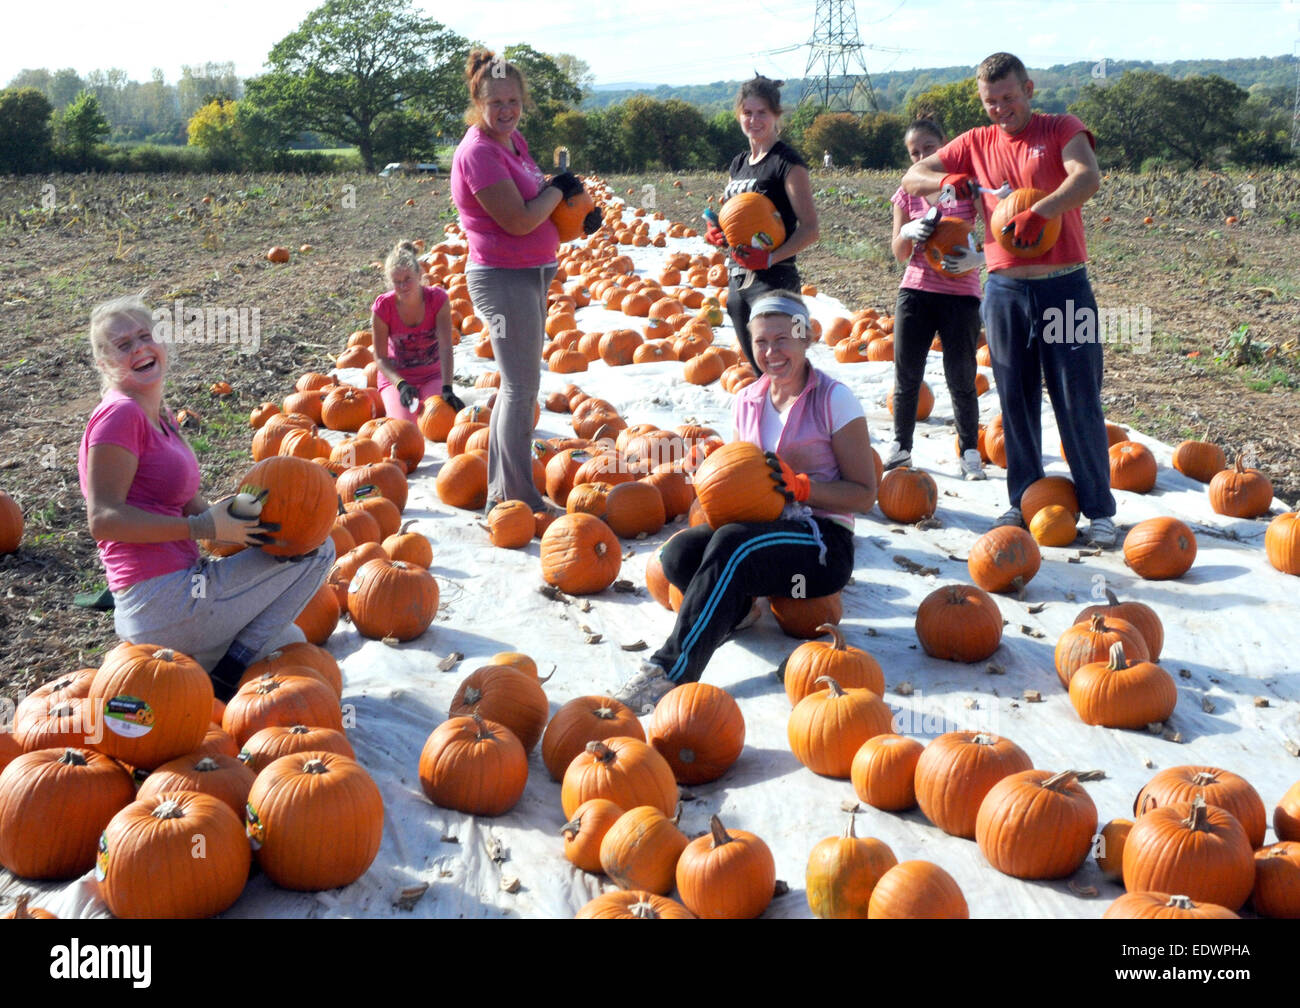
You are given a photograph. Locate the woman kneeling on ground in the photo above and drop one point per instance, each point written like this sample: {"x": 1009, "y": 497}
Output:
{"x": 815, "y": 426}
{"x": 141, "y": 483}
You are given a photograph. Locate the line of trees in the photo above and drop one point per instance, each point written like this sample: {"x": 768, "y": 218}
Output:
{"x": 378, "y": 76}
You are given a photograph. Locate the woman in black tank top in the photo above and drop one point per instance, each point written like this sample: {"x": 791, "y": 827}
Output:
{"x": 778, "y": 171}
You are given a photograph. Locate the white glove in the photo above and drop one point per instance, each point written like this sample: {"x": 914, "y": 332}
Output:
{"x": 918, "y": 230}
{"x": 230, "y": 528}
{"x": 962, "y": 260}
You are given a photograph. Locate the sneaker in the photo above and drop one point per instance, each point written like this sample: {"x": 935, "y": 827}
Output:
{"x": 1101, "y": 533}
{"x": 1011, "y": 516}
{"x": 972, "y": 466}
{"x": 897, "y": 456}
{"x": 644, "y": 689}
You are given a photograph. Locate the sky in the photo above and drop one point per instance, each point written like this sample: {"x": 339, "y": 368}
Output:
{"x": 642, "y": 42}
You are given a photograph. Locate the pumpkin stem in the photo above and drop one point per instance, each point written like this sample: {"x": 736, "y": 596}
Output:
{"x": 601, "y": 752}
{"x": 207, "y": 765}
{"x": 831, "y": 685}
{"x": 571, "y": 828}
{"x": 1098, "y": 623}
{"x": 604, "y": 713}
{"x": 315, "y": 766}
{"x": 164, "y": 654}
{"x": 169, "y": 809}
{"x": 720, "y": 834}
{"x": 1196, "y": 820}
{"x": 644, "y": 910}
{"x": 406, "y": 525}
{"x": 20, "y": 911}
{"x": 837, "y": 638}
{"x": 850, "y": 832}
{"x": 73, "y": 757}
{"x": 299, "y": 729}
{"x": 472, "y": 695}
{"x": 1118, "y": 660}
{"x": 1112, "y": 599}
{"x": 483, "y": 731}
{"x": 1060, "y": 781}
{"x": 1182, "y": 902}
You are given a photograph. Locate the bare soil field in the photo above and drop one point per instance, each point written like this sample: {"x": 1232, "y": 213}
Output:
{"x": 1223, "y": 301}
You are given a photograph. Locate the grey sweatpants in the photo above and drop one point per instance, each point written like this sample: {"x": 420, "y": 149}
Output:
{"x": 251, "y": 597}
{"x": 512, "y": 303}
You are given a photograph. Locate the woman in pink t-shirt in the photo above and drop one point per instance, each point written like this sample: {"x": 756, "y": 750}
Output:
{"x": 931, "y": 303}
{"x": 412, "y": 338}
{"x": 505, "y": 205}
{"x": 141, "y": 483}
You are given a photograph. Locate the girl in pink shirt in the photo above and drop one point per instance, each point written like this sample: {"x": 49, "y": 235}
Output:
{"x": 931, "y": 303}
{"x": 141, "y": 484}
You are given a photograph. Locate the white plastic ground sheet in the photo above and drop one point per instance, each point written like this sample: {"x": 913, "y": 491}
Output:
{"x": 1231, "y": 643}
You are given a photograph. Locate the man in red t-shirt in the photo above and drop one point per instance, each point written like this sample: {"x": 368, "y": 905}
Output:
{"x": 1039, "y": 313}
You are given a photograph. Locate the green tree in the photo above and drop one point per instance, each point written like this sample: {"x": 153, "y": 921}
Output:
{"x": 83, "y": 125}
{"x": 725, "y": 140}
{"x": 1122, "y": 116}
{"x": 26, "y": 136}
{"x": 882, "y": 140}
{"x": 795, "y": 124}
{"x": 604, "y": 139}
{"x": 836, "y": 132}
{"x": 667, "y": 133}
{"x": 956, "y": 107}
{"x": 215, "y": 128}
{"x": 351, "y": 63}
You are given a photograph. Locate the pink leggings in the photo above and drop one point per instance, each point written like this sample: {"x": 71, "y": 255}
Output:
{"x": 393, "y": 400}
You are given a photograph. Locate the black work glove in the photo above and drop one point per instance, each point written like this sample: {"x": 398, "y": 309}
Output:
{"x": 568, "y": 183}
{"x": 451, "y": 398}
{"x": 410, "y": 395}
{"x": 592, "y": 222}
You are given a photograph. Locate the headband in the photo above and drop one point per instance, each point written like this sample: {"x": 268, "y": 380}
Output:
{"x": 774, "y": 304}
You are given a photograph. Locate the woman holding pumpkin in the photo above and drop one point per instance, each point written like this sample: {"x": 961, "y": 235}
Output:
{"x": 774, "y": 169}
{"x": 412, "y": 337}
{"x": 931, "y": 302}
{"x": 815, "y": 436}
{"x": 141, "y": 483}
{"x": 505, "y": 205}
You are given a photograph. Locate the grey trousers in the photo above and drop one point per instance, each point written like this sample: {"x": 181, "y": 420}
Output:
{"x": 250, "y": 597}
{"x": 512, "y": 303}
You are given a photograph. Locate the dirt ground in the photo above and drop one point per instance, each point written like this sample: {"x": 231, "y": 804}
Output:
{"x": 1223, "y": 300}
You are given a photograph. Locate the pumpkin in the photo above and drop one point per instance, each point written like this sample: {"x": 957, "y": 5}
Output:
{"x": 827, "y": 728}
{"x": 585, "y": 719}
{"x": 1084, "y": 643}
{"x": 735, "y": 484}
{"x": 843, "y": 872}
{"x": 1240, "y": 492}
{"x": 726, "y": 874}
{"x": 315, "y": 820}
{"x": 1160, "y": 549}
{"x": 1133, "y": 467}
{"x": 511, "y": 525}
{"x": 949, "y": 233}
{"x": 804, "y": 617}
{"x": 959, "y": 623}
{"x": 1108, "y": 850}
{"x": 156, "y": 704}
{"x": 411, "y": 547}
{"x": 462, "y": 482}
{"x": 507, "y": 696}
{"x": 473, "y": 765}
{"x": 277, "y": 254}
{"x": 750, "y": 218}
{"x": 1277, "y": 881}
{"x": 1036, "y": 824}
{"x": 24, "y": 911}
{"x": 883, "y": 772}
{"x": 580, "y": 554}
{"x": 635, "y": 509}
{"x": 1218, "y": 787}
{"x": 851, "y": 667}
{"x": 278, "y": 699}
{"x": 1004, "y": 558}
{"x": 11, "y": 524}
{"x": 1195, "y": 849}
{"x": 385, "y": 478}
{"x": 640, "y": 850}
{"x": 1053, "y": 525}
{"x": 1118, "y": 693}
{"x": 1286, "y": 814}
{"x": 585, "y": 831}
{"x": 957, "y": 770}
{"x": 223, "y": 777}
{"x": 633, "y": 904}
{"x": 148, "y": 866}
{"x": 346, "y": 408}
{"x": 924, "y": 398}
{"x": 1200, "y": 460}
{"x": 699, "y": 730}
{"x": 398, "y": 439}
{"x": 1139, "y": 614}
{"x": 396, "y": 599}
{"x": 1282, "y": 543}
{"x": 908, "y": 495}
{"x": 266, "y": 442}
{"x": 1019, "y": 201}
{"x": 299, "y": 497}
{"x": 917, "y": 890}
{"x": 268, "y": 744}
{"x": 569, "y": 213}
{"x": 54, "y": 804}
{"x": 1162, "y": 906}
{"x": 623, "y": 769}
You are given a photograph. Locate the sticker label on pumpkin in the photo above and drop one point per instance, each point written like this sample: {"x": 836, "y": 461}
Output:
{"x": 128, "y": 716}
{"x": 101, "y": 859}
{"x": 253, "y": 828}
